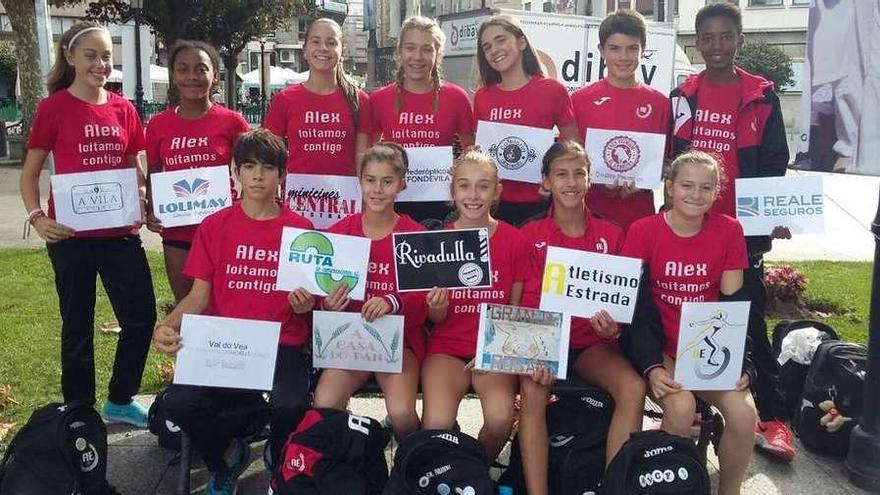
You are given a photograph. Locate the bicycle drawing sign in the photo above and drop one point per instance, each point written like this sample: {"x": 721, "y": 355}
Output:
{"x": 711, "y": 344}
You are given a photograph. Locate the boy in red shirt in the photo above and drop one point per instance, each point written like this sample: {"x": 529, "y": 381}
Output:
{"x": 733, "y": 114}
{"x": 236, "y": 237}
{"x": 619, "y": 102}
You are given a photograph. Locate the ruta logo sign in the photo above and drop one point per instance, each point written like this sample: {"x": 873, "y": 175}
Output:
{"x": 315, "y": 249}
{"x": 446, "y": 258}
{"x": 187, "y": 189}
{"x": 512, "y": 153}
{"x": 96, "y": 198}
{"x": 621, "y": 153}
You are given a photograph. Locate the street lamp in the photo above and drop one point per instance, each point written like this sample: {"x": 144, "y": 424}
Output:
{"x": 262, "y": 78}
{"x": 136, "y": 8}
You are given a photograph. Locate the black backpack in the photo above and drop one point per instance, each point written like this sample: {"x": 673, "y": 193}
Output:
{"x": 577, "y": 427}
{"x": 61, "y": 450}
{"x": 437, "y": 462}
{"x": 793, "y": 374}
{"x": 656, "y": 462}
{"x": 167, "y": 432}
{"x": 837, "y": 374}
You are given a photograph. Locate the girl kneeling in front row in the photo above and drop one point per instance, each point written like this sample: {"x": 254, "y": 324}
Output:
{"x": 688, "y": 233}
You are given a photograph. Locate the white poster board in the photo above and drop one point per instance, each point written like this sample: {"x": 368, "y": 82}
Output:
{"x": 428, "y": 176}
{"x": 346, "y": 341}
{"x": 519, "y": 340}
{"x": 711, "y": 345}
{"x": 227, "y": 352}
{"x": 97, "y": 200}
{"x": 323, "y": 199}
{"x": 768, "y": 202}
{"x": 582, "y": 283}
{"x": 186, "y": 197}
{"x": 516, "y": 149}
{"x": 625, "y": 156}
{"x": 319, "y": 261}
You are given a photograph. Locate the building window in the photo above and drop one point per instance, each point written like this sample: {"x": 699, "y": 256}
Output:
{"x": 734, "y": 2}
{"x": 548, "y": 6}
{"x": 527, "y": 6}
{"x": 5, "y": 26}
{"x": 805, "y": 3}
{"x": 302, "y": 26}
{"x": 764, "y": 3}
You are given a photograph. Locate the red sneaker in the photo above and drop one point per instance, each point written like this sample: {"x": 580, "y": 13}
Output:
{"x": 774, "y": 438}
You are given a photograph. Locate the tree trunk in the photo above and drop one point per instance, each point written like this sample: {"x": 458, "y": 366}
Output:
{"x": 23, "y": 18}
{"x": 230, "y": 62}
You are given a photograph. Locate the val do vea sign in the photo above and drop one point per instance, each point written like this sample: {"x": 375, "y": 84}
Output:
{"x": 442, "y": 258}
{"x": 319, "y": 261}
{"x": 96, "y": 200}
{"x": 186, "y": 197}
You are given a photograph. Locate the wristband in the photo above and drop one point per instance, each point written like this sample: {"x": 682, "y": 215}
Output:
{"x": 34, "y": 214}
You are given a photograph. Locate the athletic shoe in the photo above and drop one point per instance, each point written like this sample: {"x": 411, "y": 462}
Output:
{"x": 228, "y": 485}
{"x": 774, "y": 438}
{"x": 132, "y": 413}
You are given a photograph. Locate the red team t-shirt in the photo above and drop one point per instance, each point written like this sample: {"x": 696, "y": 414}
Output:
{"x": 85, "y": 137}
{"x": 457, "y": 334}
{"x": 380, "y": 278}
{"x": 541, "y": 103}
{"x": 640, "y": 109}
{"x": 683, "y": 269}
{"x": 319, "y": 129}
{"x": 715, "y": 132}
{"x": 417, "y": 124}
{"x": 599, "y": 237}
{"x": 175, "y": 143}
{"x": 238, "y": 255}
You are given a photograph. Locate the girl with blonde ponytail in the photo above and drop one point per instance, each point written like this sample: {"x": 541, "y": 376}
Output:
{"x": 419, "y": 109}
{"x": 320, "y": 117}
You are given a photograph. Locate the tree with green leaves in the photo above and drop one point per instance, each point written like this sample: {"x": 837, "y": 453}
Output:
{"x": 23, "y": 19}
{"x": 768, "y": 61}
{"x": 226, "y": 24}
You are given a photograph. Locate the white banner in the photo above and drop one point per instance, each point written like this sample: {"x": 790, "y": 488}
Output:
{"x": 582, "y": 283}
{"x": 711, "y": 345}
{"x": 768, "y": 202}
{"x": 625, "y": 156}
{"x": 319, "y": 261}
{"x": 186, "y": 197}
{"x": 516, "y": 149}
{"x": 567, "y": 46}
{"x": 428, "y": 177}
{"x": 347, "y": 341}
{"x": 323, "y": 199}
{"x": 97, "y": 200}
{"x": 227, "y": 352}
{"x": 519, "y": 340}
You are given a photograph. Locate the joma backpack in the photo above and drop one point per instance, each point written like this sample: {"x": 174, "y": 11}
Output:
{"x": 577, "y": 427}
{"x": 836, "y": 379}
{"x": 656, "y": 462}
{"x": 61, "y": 450}
{"x": 439, "y": 462}
{"x": 793, "y": 374}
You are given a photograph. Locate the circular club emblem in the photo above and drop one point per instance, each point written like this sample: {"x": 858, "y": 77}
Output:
{"x": 80, "y": 444}
{"x": 470, "y": 274}
{"x": 683, "y": 473}
{"x": 453, "y": 36}
{"x": 512, "y": 153}
{"x": 621, "y": 153}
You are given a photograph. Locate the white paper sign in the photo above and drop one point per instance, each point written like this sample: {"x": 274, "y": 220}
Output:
{"x": 186, "y": 197}
{"x": 347, "y": 341}
{"x": 323, "y": 199}
{"x": 768, "y": 202}
{"x": 227, "y": 352}
{"x": 428, "y": 176}
{"x": 625, "y": 156}
{"x": 516, "y": 149}
{"x": 582, "y": 283}
{"x": 711, "y": 344}
{"x": 518, "y": 340}
{"x": 319, "y": 261}
{"x": 96, "y": 200}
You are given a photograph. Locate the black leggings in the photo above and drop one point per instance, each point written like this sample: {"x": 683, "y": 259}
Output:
{"x": 125, "y": 274}
{"x": 196, "y": 408}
